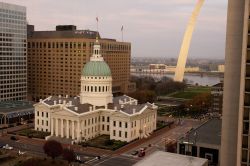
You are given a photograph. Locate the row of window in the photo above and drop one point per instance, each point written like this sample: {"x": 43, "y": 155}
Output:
{"x": 97, "y": 88}
{"x": 120, "y": 124}
{"x": 43, "y": 113}
{"x": 120, "y": 134}
{"x": 46, "y": 122}
{"x": 75, "y": 45}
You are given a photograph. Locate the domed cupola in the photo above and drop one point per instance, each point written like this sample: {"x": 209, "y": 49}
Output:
{"x": 96, "y": 80}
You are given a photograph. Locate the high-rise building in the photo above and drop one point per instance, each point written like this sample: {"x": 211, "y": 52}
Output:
{"x": 13, "y": 62}
{"x": 235, "y": 139}
{"x": 56, "y": 59}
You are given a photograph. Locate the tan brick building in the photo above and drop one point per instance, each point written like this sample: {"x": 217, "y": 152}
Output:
{"x": 56, "y": 58}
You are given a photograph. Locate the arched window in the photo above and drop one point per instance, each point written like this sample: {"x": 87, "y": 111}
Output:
{"x": 91, "y": 88}
{"x": 88, "y": 88}
{"x": 95, "y": 88}
{"x": 103, "y": 88}
{"x": 99, "y": 89}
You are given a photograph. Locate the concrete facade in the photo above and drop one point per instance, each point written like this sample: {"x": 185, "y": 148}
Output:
{"x": 235, "y": 120}
{"x": 13, "y": 54}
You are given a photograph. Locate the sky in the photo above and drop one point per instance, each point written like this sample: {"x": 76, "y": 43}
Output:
{"x": 155, "y": 28}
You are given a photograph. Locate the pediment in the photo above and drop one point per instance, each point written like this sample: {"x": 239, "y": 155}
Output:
{"x": 64, "y": 112}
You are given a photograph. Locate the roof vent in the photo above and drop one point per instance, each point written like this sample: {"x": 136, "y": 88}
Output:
{"x": 67, "y": 96}
{"x": 120, "y": 101}
{"x": 64, "y": 102}
{"x": 59, "y": 96}
{"x": 60, "y": 101}
{"x": 134, "y": 110}
{"x": 55, "y": 102}
{"x": 70, "y": 103}
{"x": 75, "y": 97}
{"x": 90, "y": 108}
{"x": 76, "y": 108}
{"x": 122, "y": 106}
{"x": 40, "y": 100}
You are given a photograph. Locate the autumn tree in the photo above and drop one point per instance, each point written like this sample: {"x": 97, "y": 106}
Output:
{"x": 69, "y": 155}
{"x": 52, "y": 148}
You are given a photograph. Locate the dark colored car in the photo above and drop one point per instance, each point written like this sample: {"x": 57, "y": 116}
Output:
{"x": 13, "y": 138}
{"x": 134, "y": 153}
{"x": 141, "y": 153}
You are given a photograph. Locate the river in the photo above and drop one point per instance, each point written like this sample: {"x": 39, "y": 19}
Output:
{"x": 205, "y": 80}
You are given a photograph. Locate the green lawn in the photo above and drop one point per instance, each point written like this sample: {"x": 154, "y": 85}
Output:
{"x": 33, "y": 133}
{"x": 190, "y": 92}
{"x": 104, "y": 142}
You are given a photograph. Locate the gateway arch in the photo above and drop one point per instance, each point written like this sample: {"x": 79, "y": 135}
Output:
{"x": 180, "y": 68}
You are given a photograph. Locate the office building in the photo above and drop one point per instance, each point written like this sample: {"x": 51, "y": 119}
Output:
{"x": 56, "y": 58}
{"x": 203, "y": 142}
{"x": 217, "y": 97}
{"x": 235, "y": 149}
{"x": 13, "y": 57}
{"x": 95, "y": 112}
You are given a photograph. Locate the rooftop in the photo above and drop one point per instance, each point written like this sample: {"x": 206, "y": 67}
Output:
{"x": 16, "y": 108}
{"x": 208, "y": 133}
{"x": 12, "y": 106}
{"x": 160, "y": 158}
{"x": 123, "y": 103}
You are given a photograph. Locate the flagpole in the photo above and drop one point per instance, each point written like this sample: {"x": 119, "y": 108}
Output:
{"x": 122, "y": 35}
{"x": 122, "y": 32}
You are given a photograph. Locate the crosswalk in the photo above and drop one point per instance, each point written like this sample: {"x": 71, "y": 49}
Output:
{"x": 96, "y": 160}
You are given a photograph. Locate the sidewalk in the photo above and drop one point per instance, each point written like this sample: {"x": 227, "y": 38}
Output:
{"x": 141, "y": 141}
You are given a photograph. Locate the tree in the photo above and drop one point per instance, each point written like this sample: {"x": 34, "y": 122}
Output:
{"x": 69, "y": 155}
{"x": 52, "y": 148}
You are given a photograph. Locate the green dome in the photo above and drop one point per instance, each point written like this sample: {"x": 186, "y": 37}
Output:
{"x": 96, "y": 68}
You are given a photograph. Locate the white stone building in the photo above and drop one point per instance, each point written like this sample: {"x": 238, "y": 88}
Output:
{"x": 95, "y": 111}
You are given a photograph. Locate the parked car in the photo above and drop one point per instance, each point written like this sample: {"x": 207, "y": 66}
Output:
{"x": 7, "y": 147}
{"x": 134, "y": 152}
{"x": 14, "y": 138}
{"x": 141, "y": 153}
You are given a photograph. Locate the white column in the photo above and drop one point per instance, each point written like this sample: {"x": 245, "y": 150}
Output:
{"x": 78, "y": 130}
{"x": 67, "y": 129}
{"x": 62, "y": 134}
{"x": 56, "y": 127}
{"x": 52, "y": 127}
{"x": 73, "y": 129}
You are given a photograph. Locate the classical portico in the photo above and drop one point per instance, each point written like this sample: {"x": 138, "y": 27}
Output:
{"x": 65, "y": 128}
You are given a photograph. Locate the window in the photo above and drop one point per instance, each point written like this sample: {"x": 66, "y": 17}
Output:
{"x": 120, "y": 133}
{"x": 113, "y": 132}
{"x": 42, "y": 114}
{"x": 114, "y": 123}
{"x": 126, "y": 134}
{"x": 131, "y": 124}
{"x": 47, "y": 114}
{"x": 37, "y": 113}
{"x": 107, "y": 127}
{"x": 126, "y": 125}
{"x": 107, "y": 119}
{"x": 103, "y": 119}
{"x": 120, "y": 124}
{"x": 135, "y": 123}
{"x": 42, "y": 122}
{"x": 47, "y": 123}
{"x": 38, "y": 121}
{"x": 102, "y": 127}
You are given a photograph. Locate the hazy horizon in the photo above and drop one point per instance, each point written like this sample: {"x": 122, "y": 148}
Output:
{"x": 154, "y": 28}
